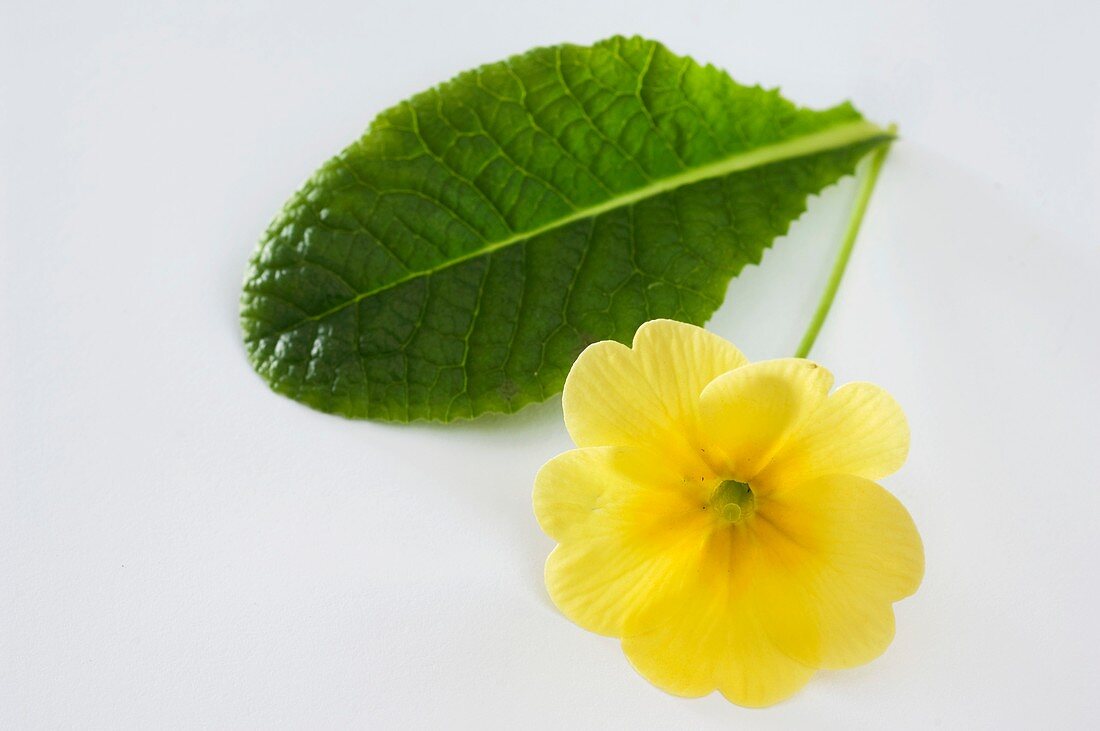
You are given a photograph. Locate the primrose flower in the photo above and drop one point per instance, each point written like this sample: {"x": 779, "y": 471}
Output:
{"x": 721, "y": 518}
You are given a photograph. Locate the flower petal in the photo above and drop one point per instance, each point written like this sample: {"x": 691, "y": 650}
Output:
{"x": 834, "y": 555}
{"x": 626, "y": 525}
{"x": 648, "y": 394}
{"x": 704, "y": 635}
{"x": 748, "y": 414}
{"x": 860, "y": 430}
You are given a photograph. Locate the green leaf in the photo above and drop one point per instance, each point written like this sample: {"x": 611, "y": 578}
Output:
{"x": 456, "y": 258}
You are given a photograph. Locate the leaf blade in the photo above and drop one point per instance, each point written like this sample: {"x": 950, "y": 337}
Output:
{"x": 366, "y": 296}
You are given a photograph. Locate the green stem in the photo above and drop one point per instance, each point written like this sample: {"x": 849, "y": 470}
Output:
{"x": 863, "y": 197}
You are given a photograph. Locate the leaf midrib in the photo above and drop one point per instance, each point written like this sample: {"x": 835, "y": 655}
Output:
{"x": 832, "y": 138}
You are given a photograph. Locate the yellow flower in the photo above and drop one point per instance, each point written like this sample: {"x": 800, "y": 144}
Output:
{"x": 720, "y": 517}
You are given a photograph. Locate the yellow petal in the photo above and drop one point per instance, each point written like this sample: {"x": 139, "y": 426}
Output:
{"x": 584, "y": 485}
{"x": 646, "y": 395}
{"x": 703, "y": 634}
{"x": 627, "y": 525}
{"x": 834, "y": 554}
{"x": 860, "y": 430}
{"x": 749, "y": 413}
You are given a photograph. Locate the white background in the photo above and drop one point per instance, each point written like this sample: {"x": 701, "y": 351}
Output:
{"x": 179, "y": 547}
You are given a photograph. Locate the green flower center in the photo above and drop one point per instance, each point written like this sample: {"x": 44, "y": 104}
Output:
{"x": 733, "y": 501}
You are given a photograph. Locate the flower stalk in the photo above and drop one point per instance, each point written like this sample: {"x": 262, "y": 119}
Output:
{"x": 863, "y": 197}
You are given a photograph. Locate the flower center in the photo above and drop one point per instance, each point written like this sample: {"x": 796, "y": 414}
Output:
{"x": 733, "y": 501}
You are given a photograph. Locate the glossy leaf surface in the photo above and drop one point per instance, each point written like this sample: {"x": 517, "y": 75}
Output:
{"x": 457, "y": 258}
